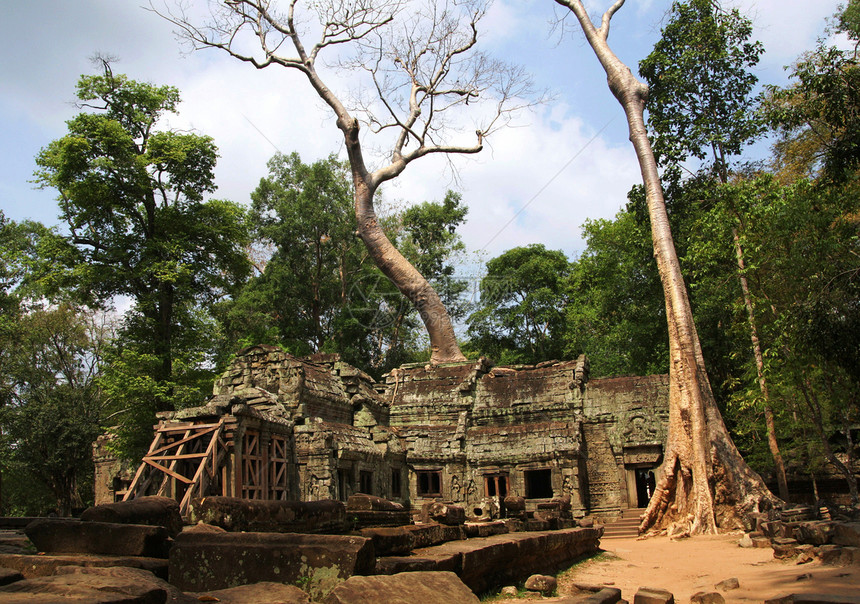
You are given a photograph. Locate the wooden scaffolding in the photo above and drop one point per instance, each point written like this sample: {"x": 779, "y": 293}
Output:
{"x": 188, "y": 460}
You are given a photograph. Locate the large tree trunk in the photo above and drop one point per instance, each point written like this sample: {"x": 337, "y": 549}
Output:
{"x": 704, "y": 483}
{"x": 405, "y": 277}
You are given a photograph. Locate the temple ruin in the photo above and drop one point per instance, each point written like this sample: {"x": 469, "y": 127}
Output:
{"x": 280, "y": 427}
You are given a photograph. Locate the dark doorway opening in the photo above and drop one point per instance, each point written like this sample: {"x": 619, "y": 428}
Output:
{"x": 344, "y": 482}
{"x": 645, "y": 484}
{"x": 538, "y": 484}
{"x": 365, "y": 482}
{"x": 395, "y": 482}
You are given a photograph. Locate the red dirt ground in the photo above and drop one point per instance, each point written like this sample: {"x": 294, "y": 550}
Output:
{"x": 687, "y": 566}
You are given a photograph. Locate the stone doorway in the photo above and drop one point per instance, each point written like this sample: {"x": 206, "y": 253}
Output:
{"x": 645, "y": 484}
{"x": 641, "y": 463}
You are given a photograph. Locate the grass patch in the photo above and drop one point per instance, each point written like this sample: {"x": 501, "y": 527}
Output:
{"x": 587, "y": 561}
{"x": 523, "y": 593}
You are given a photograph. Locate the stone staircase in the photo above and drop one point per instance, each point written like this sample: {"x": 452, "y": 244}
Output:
{"x": 626, "y": 527}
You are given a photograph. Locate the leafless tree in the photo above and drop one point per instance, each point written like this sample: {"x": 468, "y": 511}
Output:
{"x": 421, "y": 74}
{"x": 704, "y": 484}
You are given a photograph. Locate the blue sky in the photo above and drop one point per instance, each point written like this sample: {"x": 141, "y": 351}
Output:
{"x": 537, "y": 182}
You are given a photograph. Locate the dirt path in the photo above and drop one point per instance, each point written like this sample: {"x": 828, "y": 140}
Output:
{"x": 690, "y": 565}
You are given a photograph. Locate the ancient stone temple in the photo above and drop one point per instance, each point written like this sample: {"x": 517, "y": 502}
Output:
{"x": 303, "y": 429}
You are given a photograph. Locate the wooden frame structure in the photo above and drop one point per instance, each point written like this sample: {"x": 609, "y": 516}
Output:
{"x": 228, "y": 457}
{"x": 185, "y": 460}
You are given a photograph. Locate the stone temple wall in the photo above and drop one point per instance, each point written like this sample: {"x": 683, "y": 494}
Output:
{"x": 469, "y": 433}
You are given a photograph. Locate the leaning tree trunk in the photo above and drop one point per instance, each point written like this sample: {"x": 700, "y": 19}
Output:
{"x": 705, "y": 483}
{"x": 404, "y": 276}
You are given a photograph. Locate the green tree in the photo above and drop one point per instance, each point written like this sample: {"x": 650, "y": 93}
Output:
{"x": 52, "y": 417}
{"x": 520, "y": 314}
{"x": 700, "y": 82}
{"x": 614, "y": 313}
{"x": 320, "y": 291}
{"x": 132, "y": 198}
{"x": 818, "y": 116}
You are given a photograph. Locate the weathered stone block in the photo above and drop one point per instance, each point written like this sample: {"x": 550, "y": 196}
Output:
{"x": 444, "y": 561}
{"x": 707, "y": 597}
{"x": 201, "y": 561}
{"x": 443, "y": 513}
{"x": 265, "y": 591}
{"x": 603, "y": 595}
{"x": 389, "y": 541}
{"x": 363, "y": 502}
{"x": 515, "y": 504}
{"x": 81, "y": 584}
{"x": 234, "y": 514}
{"x": 653, "y": 595}
{"x": 357, "y": 519}
{"x": 830, "y": 554}
{"x": 426, "y": 535}
{"x": 42, "y": 566}
{"x": 485, "y": 529}
{"x": 814, "y": 532}
{"x": 71, "y": 536}
{"x": 784, "y": 548}
{"x": 728, "y": 584}
{"x": 403, "y": 588}
{"x": 155, "y": 511}
{"x": 544, "y": 584}
{"x": 846, "y": 533}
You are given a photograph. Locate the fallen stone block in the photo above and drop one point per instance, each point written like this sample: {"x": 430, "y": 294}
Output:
{"x": 515, "y": 505}
{"x": 371, "y": 503}
{"x": 653, "y": 595}
{"x": 784, "y": 548}
{"x": 426, "y": 535}
{"x": 358, "y": 519}
{"x": 64, "y": 536}
{"x": 41, "y": 566}
{"x": 850, "y": 556}
{"x": 846, "y": 533}
{"x": 815, "y": 599}
{"x": 544, "y": 584}
{"x": 485, "y": 529}
{"x": 728, "y": 584}
{"x": 773, "y": 529}
{"x": 761, "y": 541}
{"x": 257, "y": 515}
{"x": 536, "y": 525}
{"x": 265, "y": 591}
{"x": 403, "y": 588}
{"x": 389, "y": 541}
{"x": 391, "y": 565}
{"x": 200, "y": 561}
{"x": 830, "y": 554}
{"x": 93, "y": 585}
{"x": 443, "y": 513}
{"x": 605, "y": 595}
{"x": 154, "y": 511}
{"x": 707, "y": 597}
{"x": 814, "y": 532}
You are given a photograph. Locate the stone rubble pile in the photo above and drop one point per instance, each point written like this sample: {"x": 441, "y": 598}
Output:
{"x": 139, "y": 551}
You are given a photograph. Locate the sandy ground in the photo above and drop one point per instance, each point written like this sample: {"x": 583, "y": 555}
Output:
{"x": 687, "y": 566}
